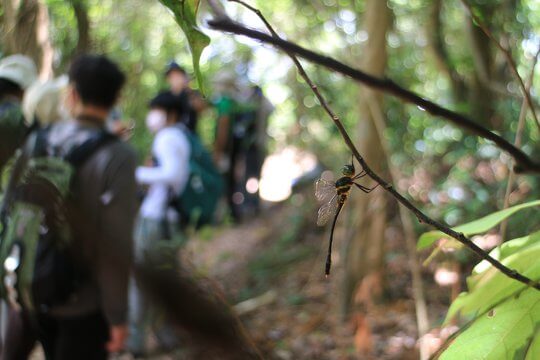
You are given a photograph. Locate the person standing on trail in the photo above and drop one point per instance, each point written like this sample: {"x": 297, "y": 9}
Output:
{"x": 17, "y": 73}
{"x": 189, "y": 103}
{"x": 227, "y": 147}
{"x": 157, "y": 220}
{"x": 254, "y": 144}
{"x": 92, "y": 322}
{"x": 41, "y": 104}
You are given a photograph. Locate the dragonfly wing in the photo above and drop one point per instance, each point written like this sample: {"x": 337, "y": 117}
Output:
{"x": 327, "y": 211}
{"x": 324, "y": 190}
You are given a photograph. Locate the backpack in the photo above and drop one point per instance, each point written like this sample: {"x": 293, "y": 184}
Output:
{"x": 36, "y": 270}
{"x": 198, "y": 202}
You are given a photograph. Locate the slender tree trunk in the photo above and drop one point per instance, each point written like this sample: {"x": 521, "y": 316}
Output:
{"x": 437, "y": 47}
{"x": 422, "y": 318}
{"x": 365, "y": 248}
{"x": 83, "y": 26}
{"x": 481, "y": 95}
{"x": 26, "y": 31}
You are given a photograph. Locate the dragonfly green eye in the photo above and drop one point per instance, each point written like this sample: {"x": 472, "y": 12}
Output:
{"x": 348, "y": 170}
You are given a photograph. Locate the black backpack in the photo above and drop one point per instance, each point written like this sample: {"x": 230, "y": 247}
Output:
{"x": 36, "y": 270}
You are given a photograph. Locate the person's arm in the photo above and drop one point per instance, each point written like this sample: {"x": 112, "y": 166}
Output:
{"x": 172, "y": 152}
{"x": 114, "y": 245}
{"x": 224, "y": 109}
{"x": 221, "y": 137}
{"x": 196, "y": 101}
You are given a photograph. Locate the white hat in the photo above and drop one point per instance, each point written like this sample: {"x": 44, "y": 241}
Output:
{"x": 225, "y": 81}
{"x": 19, "y": 69}
{"x": 42, "y": 100}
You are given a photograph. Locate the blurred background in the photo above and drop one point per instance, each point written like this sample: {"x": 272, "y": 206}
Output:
{"x": 276, "y": 260}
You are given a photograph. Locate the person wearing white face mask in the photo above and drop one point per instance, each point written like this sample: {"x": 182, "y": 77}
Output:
{"x": 157, "y": 221}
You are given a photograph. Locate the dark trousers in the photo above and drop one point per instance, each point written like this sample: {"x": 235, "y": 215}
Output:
{"x": 20, "y": 336}
{"x": 81, "y": 338}
{"x": 232, "y": 182}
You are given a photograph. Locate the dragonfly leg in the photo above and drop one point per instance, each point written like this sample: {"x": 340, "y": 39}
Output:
{"x": 364, "y": 188}
{"x": 360, "y": 175}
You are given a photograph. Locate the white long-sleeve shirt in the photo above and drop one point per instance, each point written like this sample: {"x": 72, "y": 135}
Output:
{"x": 171, "y": 149}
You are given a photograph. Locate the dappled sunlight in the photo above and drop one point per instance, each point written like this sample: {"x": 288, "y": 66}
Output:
{"x": 282, "y": 170}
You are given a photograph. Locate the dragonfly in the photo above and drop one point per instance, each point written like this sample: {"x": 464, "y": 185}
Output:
{"x": 333, "y": 196}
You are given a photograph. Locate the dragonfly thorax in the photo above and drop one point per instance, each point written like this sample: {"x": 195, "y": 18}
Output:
{"x": 344, "y": 181}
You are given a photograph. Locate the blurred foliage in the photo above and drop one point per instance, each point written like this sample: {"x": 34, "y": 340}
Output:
{"x": 453, "y": 175}
{"x": 456, "y": 176}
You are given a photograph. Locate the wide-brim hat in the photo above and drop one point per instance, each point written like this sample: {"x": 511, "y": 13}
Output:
{"x": 19, "y": 69}
{"x": 42, "y": 101}
{"x": 225, "y": 81}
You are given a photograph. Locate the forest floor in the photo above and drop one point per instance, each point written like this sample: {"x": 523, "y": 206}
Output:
{"x": 272, "y": 267}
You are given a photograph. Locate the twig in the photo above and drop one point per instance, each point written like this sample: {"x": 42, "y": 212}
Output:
{"x": 523, "y": 162}
{"x": 225, "y": 24}
{"x": 253, "y": 304}
{"x": 508, "y": 56}
{"x": 517, "y": 142}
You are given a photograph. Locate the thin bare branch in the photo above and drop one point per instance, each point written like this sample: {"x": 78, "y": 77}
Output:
{"x": 523, "y": 162}
{"x": 226, "y": 24}
{"x": 508, "y": 55}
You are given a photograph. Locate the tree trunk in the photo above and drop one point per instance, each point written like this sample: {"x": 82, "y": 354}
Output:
{"x": 365, "y": 248}
{"x": 26, "y": 31}
{"x": 481, "y": 95}
{"x": 83, "y": 26}
{"x": 437, "y": 47}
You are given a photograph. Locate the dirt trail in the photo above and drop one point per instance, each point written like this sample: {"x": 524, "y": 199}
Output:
{"x": 276, "y": 263}
{"x": 272, "y": 268}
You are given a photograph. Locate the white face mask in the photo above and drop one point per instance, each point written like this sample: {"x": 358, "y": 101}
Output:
{"x": 156, "y": 120}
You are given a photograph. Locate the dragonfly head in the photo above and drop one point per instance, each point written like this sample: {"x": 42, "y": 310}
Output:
{"x": 348, "y": 170}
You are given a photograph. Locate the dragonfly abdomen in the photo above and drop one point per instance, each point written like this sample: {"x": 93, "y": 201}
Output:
{"x": 343, "y": 187}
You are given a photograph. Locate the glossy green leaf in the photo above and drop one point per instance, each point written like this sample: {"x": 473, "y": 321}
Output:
{"x": 533, "y": 348}
{"x": 508, "y": 248}
{"x": 492, "y": 286}
{"x": 501, "y": 333}
{"x": 475, "y": 227}
{"x": 185, "y": 14}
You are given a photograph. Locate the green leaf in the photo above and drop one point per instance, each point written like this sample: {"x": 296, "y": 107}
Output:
{"x": 185, "y": 14}
{"x": 533, "y": 351}
{"x": 490, "y": 287}
{"x": 500, "y": 333}
{"x": 475, "y": 227}
{"x": 508, "y": 248}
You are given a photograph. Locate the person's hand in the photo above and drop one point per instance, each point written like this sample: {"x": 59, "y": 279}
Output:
{"x": 117, "y": 338}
